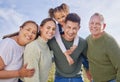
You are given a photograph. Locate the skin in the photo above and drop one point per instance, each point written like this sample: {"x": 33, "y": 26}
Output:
{"x": 60, "y": 17}
{"x": 70, "y": 30}
{"x": 26, "y": 35}
{"x": 48, "y": 30}
{"x": 96, "y": 26}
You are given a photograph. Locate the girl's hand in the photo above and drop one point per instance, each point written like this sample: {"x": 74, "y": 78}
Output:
{"x": 24, "y": 72}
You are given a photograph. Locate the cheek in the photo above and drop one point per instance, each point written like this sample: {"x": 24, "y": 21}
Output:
{"x": 75, "y": 31}
{"x": 90, "y": 26}
{"x": 41, "y": 28}
{"x": 63, "y": 19}
{"x": 58, "y": 21}
{"x": 54, "y": 32}
{"x": 22, "y": 33}
{"x": 65, "y": 30}
{"x": 33, "y": 37}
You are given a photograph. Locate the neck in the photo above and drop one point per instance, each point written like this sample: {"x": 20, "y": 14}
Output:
{"x": 66, "y": 38}
{"x": 43, "y": 38}
{"x": 98, "y": 35}
{"x": 16, "y": 38}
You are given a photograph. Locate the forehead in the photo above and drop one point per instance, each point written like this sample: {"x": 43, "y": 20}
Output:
{"x": 59, "y": 13}
{"x": 30, "y": 25}
{"x": 95, "y": 19}
{"x": 72, "y": 24}
{"x": 49, "y": 23}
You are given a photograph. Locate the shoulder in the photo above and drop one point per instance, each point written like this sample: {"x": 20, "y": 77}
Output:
{"x": 82, "y": 40}
{"x": 82, "y": 43}
{"x": 109, "y": 40}
{"x": 32, "y": 44}
{"x": 32, "y": 50}
{"x": 7, "y": 49}
{"x": 32, "y": 47}
{"x": 88, "y": 37}
{"x": 7, "y": 43}
{"x": 51, "y": 41}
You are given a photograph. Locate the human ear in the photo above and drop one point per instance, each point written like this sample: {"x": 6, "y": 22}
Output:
{"x": 104, "y": 26}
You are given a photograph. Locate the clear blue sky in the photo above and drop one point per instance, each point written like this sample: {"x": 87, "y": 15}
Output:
{"x": 14, "y": 12}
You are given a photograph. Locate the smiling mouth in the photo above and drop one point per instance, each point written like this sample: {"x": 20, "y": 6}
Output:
{"x": 28, "y": 38}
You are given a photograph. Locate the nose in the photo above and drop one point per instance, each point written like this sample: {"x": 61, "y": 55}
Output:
{"x": 94, "y": 25}
{"x": 60, "y": 20}
{"x": 50, "y": 30}
{"x": 71, "y": 31}
{"x": 30, "y": 34}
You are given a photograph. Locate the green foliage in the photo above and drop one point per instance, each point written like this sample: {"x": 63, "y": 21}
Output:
{"x": 52, "y": 72}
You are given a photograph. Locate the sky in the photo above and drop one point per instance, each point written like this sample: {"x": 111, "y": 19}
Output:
{"x": 14, "y": 12}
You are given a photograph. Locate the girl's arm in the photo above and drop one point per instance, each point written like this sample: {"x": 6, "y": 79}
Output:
{"x": 2, "y": 65}
{"x": 23, "y": 72}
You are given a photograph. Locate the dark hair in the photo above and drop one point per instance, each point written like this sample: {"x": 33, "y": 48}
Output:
{"x": 10, "y": 35}
{"x": 29, "y": 21}
{"x": 22, "y": 26}
{"x": 73, "y": 17}
{"x": 63, "y": 7}
{"x": 45, "y": 21}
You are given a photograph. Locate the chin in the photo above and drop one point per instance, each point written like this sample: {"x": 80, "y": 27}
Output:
{"x": 50, "y": 38}
{"x": 28, "y": 41}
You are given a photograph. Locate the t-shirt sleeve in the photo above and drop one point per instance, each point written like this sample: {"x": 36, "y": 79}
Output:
{"x": 6, "y": 51}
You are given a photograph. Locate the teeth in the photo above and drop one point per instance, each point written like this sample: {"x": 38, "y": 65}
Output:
{"x": 93, "y": 29}
{"x": 50, "y": 34}
{"x": 70, "y": 34}
{"x": 28, "y": 38}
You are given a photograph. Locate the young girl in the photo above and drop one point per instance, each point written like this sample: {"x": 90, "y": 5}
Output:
{"x": 37, "y": 53}
{"x": 11, "y": 53}
{"x": 59, "y": 14}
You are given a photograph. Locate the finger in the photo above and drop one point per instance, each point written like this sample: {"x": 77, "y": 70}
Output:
{"x": 32, "y": 69}
{"x": 25, "y": 65}
{"x": 31, "y": 73}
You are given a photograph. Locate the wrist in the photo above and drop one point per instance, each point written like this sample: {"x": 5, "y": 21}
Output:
{"x": 18, "y": 73}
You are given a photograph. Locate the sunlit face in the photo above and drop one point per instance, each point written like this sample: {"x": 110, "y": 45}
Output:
{"x": 48, "y": 30}
{"x": 70, "y": 30}
{"x": 60, "y": 17}
{"x": 27, "y": 33}
{"x": 96, "y": 26}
